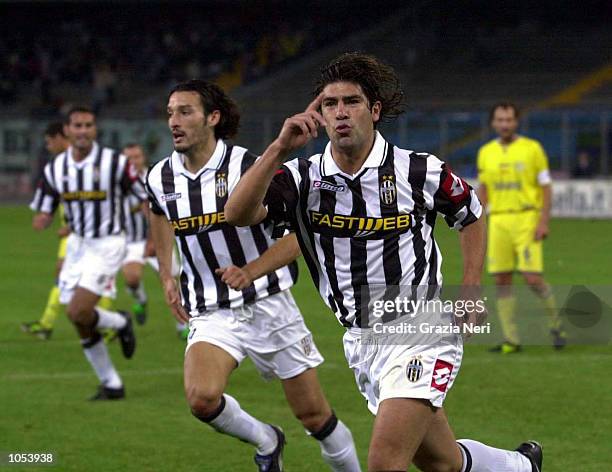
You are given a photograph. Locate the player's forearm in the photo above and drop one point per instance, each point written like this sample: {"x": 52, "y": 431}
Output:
{"x": 546, "y": 203}
{"x": 473, "y": 239}
{"x": 163, "y": 240}
{"x": 283, "y": 252}
{"x": 244, "y": 206}
{"x": 481, "y": 193}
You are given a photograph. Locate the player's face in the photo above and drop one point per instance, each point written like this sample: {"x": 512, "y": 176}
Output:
{"x": 55, "y": 144}
{"x": 81, "y": 130}
{"x": 136, "y": 156}
{"x": 350, "y": 118}
{"x": 188, "y": 122}
{"x": 505, "y": 123}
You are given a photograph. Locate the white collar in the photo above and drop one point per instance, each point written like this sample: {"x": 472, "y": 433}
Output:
{"x": 90, "y": 157}
{"x": 374, "y": 160}
{"x": 178, "y": 161}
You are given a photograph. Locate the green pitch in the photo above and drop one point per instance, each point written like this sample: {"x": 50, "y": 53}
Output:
{"x": 561, "y": 399}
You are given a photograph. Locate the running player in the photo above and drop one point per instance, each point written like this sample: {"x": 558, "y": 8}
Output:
{"x": 91, "y": 182}
{"x": 188, "y": 191}
{"x": 364, "y": 213}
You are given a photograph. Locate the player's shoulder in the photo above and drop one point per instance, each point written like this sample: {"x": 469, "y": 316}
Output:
{"x": 408, "y": 156}
{"x": 154, "y": 172}
{"x": 491, "y": 145}
{"x": 304, "y": 162}
{"x": 529, "y": 142}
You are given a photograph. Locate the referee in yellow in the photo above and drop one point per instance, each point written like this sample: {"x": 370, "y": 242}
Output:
{"x": 515, "y": 183}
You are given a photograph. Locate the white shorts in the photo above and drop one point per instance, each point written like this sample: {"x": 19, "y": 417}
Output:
{"x": 91, "y": 264}
{"x": 385, "y": 371}
{"x": 271, "y": 332}
{"x": 135, "y": 253}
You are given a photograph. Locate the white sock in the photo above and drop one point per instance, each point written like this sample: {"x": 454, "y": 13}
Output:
{"x": 181, "y": 326}
{"x": 338, "y": 449}
{"x": 236, "y": 422}
{"x": 98, "y": 357}
{"x": 138, "y": 293}
{"x": 109, "y": 319}
{"x": 485, "y": 458}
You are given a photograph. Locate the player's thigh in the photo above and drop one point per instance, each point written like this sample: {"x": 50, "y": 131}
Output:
{"x": 500, "y": 247}
{"x": 399, "y": 428}
{"x": 81, "y": 306}
{"x": 438, "y": 451}
{"x": 306, "y": 399}
{"x": 207, "y": 370}
{"x": 528, "y": 250}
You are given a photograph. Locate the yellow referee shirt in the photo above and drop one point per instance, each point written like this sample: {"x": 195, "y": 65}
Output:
{"x": 513, "y": 174}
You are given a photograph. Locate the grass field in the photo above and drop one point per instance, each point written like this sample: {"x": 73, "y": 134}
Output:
{"x": 561, "y": 399}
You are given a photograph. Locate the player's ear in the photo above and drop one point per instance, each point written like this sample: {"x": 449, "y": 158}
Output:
{"x": 376, "y": 109}
{"x": 213, "y": 118}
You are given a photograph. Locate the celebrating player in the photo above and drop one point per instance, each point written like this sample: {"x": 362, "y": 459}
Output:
{"x": 364, "y": 213}
{"x": 515, "y": 182}
{"x": 91, "y": 182}
{"x": 188, "y": 191}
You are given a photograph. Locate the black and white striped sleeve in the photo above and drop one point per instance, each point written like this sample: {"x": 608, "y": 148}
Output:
{"x": 450, "y": 195}
{"x": 46, "y": 198}
{"x": 154, "y": 204}
{"x": 281, "y": 200}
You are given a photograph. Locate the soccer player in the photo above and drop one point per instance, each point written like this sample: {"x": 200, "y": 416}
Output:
{"x": 136, "y": 228}
{"x": 364, "y": 212}
{"x": 91, "y": 182}
{"x": 188, "y": 191}
{"x": 515, "y": 183}
{"x": 56, "y": 143}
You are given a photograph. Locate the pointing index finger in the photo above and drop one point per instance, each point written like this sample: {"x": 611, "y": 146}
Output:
{"x": 316, "y": 103}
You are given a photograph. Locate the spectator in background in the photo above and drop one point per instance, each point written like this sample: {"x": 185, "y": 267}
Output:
{"x": 584, "y": 168}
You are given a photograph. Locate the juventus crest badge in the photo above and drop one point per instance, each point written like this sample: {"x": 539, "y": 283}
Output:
{"x": 221, "y": 185}
{"x": 388, "y": 193}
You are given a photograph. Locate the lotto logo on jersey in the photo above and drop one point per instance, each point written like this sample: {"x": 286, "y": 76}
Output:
{"x": 441, "y": 375}
{"x": 455, "y": 187}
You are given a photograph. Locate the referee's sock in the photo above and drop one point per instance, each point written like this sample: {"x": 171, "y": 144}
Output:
{"x": 478, "y": 457}
{"x": 550, "y": 305}
{"x": 97, "y": 354}
{"x": 337, "y": 446}
{"x": 232, "y": 420}
{"x": 505, "y": 310}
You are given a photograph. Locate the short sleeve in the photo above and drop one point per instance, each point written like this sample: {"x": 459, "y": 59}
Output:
{"x": 46, "y": 198}
{"x": 454, "y": 198}
{"x": 281, "y": 200}
{"x": 154, "y": 205}
{"x": 481, "y": 168}
{"x": 541, "y": 163}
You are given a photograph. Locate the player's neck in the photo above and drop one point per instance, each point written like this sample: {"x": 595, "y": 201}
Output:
{"x": 509, "y": 140}
{"x": 351, "y": 160}
{"x": 199, "y": 156}
{"x": 78, "y": 154}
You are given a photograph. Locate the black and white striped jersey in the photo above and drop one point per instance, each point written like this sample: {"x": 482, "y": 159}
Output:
{"x": 91, "y": 190}
{"x": 372, "y": 229}
{"x": 136, "y": 226}
{"x": 194, "y": 203}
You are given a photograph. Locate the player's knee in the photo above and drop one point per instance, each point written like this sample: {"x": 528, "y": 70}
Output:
{"x": 203, "y": 400}
{"x": 313, "y": 419}
{"x": 78, "y": 315}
